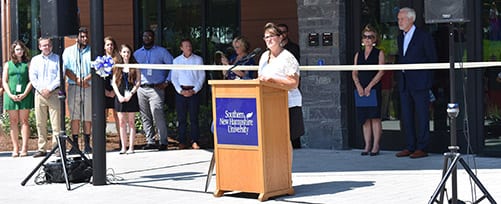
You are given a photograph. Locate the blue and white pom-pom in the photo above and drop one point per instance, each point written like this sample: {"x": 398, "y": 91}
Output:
{"x": 103, "y": 65}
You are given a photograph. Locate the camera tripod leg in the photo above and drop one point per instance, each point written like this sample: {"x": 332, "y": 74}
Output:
{"x": 441, "y": 185}
{"x": 477, "y": 181}
{"x": 39, "y": 165}
{"x": 452, "y": 170}
{"x": 444, "y": 171}
{"x": 62, "y": 151}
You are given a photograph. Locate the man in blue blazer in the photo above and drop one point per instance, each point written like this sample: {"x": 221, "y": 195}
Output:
{"x": 414, "y": 46}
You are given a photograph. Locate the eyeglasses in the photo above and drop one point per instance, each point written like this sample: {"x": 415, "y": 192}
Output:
{"x": 266, "y": 37}
{"x": 371, "y": 37}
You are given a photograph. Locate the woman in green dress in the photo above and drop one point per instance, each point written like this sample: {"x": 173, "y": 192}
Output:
{"x": 18, "y": 98}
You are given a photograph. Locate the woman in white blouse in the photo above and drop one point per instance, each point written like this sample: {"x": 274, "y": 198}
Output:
{"x": 277, "y": 65}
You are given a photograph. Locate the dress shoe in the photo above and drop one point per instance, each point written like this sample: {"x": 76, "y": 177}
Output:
{"x": 182, "y": 146}
{"x": 374, "y": 153}
{"x": 39, "y": 154}
{"x": 122, "y": 152}
{"x": 364, "y": 153}
{"x": 162, "y": 147}
{"x": 150, "y": 146}
{"x": 403, "y": 153}
{"x": 172, "y": 140}
{"x": 418, "y": 154}
{"x": 195, "y": 146}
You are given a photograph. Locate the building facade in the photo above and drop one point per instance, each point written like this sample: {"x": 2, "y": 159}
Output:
{"x": 328, "y": 103}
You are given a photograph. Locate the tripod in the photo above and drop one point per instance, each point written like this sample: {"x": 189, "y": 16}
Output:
{"x": 62, "y": 138}
{"x": 453, "y": 156}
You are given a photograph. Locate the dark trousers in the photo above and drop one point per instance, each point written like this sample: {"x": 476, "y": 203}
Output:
{"x": 185, "y": 105}
{"x": 415, "y": 105}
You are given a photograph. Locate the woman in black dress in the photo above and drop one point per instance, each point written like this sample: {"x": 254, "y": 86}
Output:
{"x": 111, "y": 50}
{"x": 365, "y": 82}
{"x": 125, "y": 83}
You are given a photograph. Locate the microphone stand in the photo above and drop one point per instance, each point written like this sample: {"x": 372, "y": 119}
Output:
{"x": 240, "y": 62}
{"x": 213, "y": 159}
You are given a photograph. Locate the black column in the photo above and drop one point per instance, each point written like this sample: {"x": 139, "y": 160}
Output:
{"x": 98, "y": 117}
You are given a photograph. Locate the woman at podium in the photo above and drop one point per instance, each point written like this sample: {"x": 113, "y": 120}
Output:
{"x": 277, "y": 65}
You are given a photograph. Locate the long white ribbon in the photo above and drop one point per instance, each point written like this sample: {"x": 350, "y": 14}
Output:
{"x": 424, "y": 66}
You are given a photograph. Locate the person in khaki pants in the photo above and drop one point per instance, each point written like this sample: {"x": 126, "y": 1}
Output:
{"x": 44, "y": 76}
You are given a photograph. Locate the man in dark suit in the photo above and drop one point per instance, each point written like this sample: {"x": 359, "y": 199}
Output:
{"x": 414, "y": 46}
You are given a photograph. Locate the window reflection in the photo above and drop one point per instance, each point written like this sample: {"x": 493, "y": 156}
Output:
{"x": 182, "y": 19}
{"x": 491, "y": 19}
{"x": 28, "y": 26}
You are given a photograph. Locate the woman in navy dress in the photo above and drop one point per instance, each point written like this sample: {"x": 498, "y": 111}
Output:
{"x": 365, "y": 82}
{"x": 125, "y": 83}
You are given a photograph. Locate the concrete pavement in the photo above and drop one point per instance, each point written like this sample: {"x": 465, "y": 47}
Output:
{"x": 319, "y": 176}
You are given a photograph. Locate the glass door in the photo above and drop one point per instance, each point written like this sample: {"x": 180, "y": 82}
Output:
{"x": 491, "y": 18}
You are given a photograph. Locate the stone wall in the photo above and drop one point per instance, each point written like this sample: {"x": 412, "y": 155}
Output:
{"x": 323, "y": 91}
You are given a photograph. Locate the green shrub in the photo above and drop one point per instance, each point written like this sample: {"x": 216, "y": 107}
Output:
{"x": 4, "y": 119}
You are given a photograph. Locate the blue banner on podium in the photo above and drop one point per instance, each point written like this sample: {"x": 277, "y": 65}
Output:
{"x": 236, "y": 121}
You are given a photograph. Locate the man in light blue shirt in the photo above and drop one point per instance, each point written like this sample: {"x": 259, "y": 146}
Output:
{"x": 151, "y": 93}
{"x": 188, "y": 84}
{"x": 77, "y": 62}
{"x": 45, "y": 78}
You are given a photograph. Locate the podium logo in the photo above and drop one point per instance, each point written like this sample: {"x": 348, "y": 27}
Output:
{"x": 237, "y": 122}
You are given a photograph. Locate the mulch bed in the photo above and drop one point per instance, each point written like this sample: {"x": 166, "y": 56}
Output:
{"x": 112, "y": 142}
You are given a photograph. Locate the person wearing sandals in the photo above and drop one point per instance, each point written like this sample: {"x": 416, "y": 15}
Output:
{"x": 18, "y": 98}
{"x": 125, "y": 83}
{"x": 367, "y": 83}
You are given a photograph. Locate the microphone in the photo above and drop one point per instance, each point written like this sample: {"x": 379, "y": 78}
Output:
{"x": 250, "y": 55}
{"x": 243, "y": 60}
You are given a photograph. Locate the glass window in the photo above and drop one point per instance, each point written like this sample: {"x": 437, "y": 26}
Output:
{"x": 491, "y": 18}
{"x": 148, "y": 16}
{"x": 182, "y": 19}
{"x": 222, "y": 25}
{"x": 28, "y": 24}
{"x": 382, "y": 15}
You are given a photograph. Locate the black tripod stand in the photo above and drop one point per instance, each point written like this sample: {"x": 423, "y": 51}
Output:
{"x": 62, "y": 138}
{"x": 453, "y": 156}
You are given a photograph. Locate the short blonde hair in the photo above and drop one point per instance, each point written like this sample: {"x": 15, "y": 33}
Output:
{"x": 370, "y": 28}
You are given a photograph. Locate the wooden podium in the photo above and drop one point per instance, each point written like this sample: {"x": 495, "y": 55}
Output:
{"x": 251, "y": 144}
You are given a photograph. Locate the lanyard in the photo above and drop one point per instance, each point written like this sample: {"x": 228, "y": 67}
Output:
{"x": 125, "y": 77}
